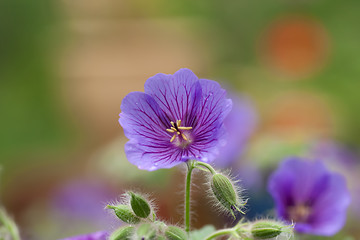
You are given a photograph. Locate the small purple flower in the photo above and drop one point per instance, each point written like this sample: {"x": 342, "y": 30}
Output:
{"x": 101, "y": 235}
{"x": 308, "y": 194}
{"x": 179, "y": 117}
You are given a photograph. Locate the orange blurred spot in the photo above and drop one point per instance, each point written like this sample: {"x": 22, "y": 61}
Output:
{"x": 295, "y": 46}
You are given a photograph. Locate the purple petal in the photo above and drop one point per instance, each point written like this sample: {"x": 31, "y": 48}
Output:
{"x": 308, "y": 175}
{"x": 152, "y": 157}
{"x": 178, "y": 95}
{"x": 329, "y": 210}
{"x": 208, "y": 128}
{"x": 142, "y": 119}
{"x": 101, "y": 235}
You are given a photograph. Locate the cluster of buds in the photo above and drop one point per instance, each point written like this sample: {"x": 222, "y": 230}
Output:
{"x": 137, "y": 213}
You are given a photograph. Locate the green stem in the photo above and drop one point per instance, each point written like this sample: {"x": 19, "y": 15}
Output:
{"x": 9, "y": 225}
{"x": 191, "y": 166}
{"x": 228, "y": 231}
{"x": 208, "y": 166}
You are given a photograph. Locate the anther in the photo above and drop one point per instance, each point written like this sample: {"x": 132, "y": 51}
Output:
{"x": 184, "y": 137}
{"x": 184, "y": 128}
{"x": 175, "y": 128}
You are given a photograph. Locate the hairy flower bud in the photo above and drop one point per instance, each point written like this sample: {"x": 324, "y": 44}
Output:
{"x": 139, "y": 205}
{"x": 175, "y": 233}
{"x": 267, "y": 229}
{"x": 146, "y": 232}
{"x": 124, "y": 213}
{"x": 123, "y": 233}
{"x": 225, "y": 192}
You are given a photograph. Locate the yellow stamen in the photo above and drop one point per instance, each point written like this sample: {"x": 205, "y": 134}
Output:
{"x": 184, "y": 137}
{"x": 184, "y": 128}
{"x": 175, "y": 128}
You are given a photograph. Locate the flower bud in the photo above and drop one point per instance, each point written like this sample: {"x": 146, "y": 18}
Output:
{"x": 267, "y": 229}
{"x": 139, "y": 205}
{"x": 146, "y": 232}
{"x": 123, "y": 233}
{"x": 225, "y": 192}
{"x": 124, "y": 213}
{"x": 175, "y": 233}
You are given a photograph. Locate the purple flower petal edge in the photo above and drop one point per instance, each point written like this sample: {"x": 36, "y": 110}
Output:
{"x": 101, "y": 235}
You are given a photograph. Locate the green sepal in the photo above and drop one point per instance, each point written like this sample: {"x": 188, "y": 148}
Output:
{"x": 139, "y": 205}
{"x": 123, "y": 233}
{"x": 146, "y": 231}
{"x": 175, "y": 233}
{"x": 124, "y": 213}
{"x": 266, "y": 229}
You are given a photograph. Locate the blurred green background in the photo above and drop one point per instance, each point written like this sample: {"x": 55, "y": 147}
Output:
{"x": 65, "y": 66}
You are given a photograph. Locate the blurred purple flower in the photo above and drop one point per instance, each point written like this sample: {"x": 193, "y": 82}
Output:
{"x": 308, "y": 194}
{"x": 179, "y": 117}
{"x": 240, "y": 124}
{"x": 84, "y": 201}
{"x": 101, "y": 235}
{"x": 340, "y": 159}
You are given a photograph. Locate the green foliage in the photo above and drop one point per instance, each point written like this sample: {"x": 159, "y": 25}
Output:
{"x": 202, "y": 233}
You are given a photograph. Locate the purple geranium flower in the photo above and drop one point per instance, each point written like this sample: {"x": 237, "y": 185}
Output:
{"x": 308, "y": 194}
{"x": 179, "y": 117}
{"x": 101, "y": 235}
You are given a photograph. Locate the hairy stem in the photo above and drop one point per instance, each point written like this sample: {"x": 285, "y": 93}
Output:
{"x": 190, "y": 165}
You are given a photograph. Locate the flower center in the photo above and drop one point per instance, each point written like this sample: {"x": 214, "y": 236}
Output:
{"x": 299, "y": 213}
{"x": 176, "y": 129}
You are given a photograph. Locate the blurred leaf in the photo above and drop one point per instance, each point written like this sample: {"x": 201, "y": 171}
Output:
{"x": 202, "y": 233}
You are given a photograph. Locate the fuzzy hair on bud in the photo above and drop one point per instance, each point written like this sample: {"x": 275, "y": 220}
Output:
{"x": 227, "y": 194}
{"x": 123, "y": 233}
{"x": 124, "y": 213}
{"x": 269, "y": 229}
